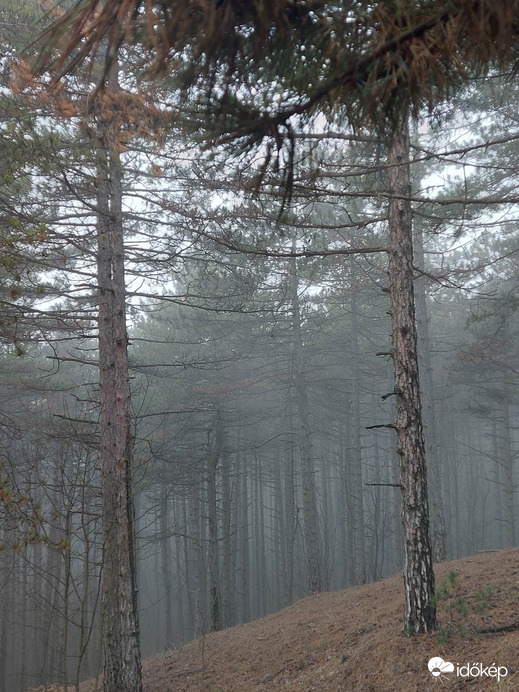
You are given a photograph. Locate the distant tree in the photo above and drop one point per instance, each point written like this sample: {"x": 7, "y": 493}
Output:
{"x": 299, "y": 378}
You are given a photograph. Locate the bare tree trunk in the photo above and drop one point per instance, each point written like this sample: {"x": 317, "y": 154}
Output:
{"x": 214, "y": 573}
{"x": 420, "y": 613}
{"x": 235, "y": 535}
{"x": 311, "y": 517}
{"x": 227, "y": 592}
{"x": 452, "y": 426}
{"x": 328, "y": 537}
{"x": 23, "y": 624}
{"x": 37, "y": 586}
{"x": 439, "y": 531}
{"x": 50, "y": 593}
{"x": 356, "y": 488}
{"x": 87, "y": 609}
{"x": 351, "y": 566}
{"x": 509, "y": 472}
{"x": 280, "y": 535}
{"x": 5, "y": 607}
{"x": 498, "y": 499}
{"x": 259, "y": 583}
{"x": 178, "y": 627}
{"x": 194, "y": 518}
{"x": 3, "y": 650}
{"x": 377, "y": 542}
{"x": 67, "y": 561}
{"x": 244, "y": 543}
{"x": 165, "y": 560}
{"x": 342, "y": 504}
{"x": 122, "y": 662}
{"x": 289, "y": 493}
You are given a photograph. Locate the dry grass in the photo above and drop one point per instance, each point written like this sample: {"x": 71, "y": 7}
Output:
{"x": 352, "y": 641}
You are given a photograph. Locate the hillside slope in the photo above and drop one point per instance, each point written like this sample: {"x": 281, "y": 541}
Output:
{"x": 352, "y": 641}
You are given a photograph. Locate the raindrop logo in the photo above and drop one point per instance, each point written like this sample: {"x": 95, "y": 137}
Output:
{"x": 438, "y": 666}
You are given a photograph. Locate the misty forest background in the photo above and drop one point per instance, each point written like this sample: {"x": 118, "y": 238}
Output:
{"x": 265, "y": 466}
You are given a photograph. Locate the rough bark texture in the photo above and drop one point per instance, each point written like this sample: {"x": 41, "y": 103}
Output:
{"x": 122, "y": 663}
{"x": 420, "y": 615}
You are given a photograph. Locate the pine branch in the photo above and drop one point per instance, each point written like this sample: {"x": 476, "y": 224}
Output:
{"x": 230, "y": 245}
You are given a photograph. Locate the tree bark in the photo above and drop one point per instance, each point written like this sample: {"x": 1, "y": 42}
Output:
{"x": 420, "y": 613}
{"x": 122, "y": 661}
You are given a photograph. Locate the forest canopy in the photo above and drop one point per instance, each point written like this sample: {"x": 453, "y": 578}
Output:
{"x": 368, "y": 57}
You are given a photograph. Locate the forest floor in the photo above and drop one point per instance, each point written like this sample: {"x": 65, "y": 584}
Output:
{"x": 352, "y": 641}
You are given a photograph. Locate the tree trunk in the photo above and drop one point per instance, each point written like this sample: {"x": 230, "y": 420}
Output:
{"x": 342, "y": 505}
{"x": 227, "y": 590}
{"x": 214, "y": 573}
{"x": 23, "y": 625}
{"x": 439, "y": 532}
{"x": 509, "y": 471}
{"x": 122, "y": 662}
{"x": 498, "y": 499}
{"x": 328, "y": 537}
{"x": 377, "y": 541}
{"x": 289, "y": 500}
{"x": 260, "y": 586}
{"x": 165, "y": 566}
{"x": 311, "y": 517}
{"x": 5, "y": 607}
{"x": 420, "y": 613}
{"x": 244, "y": 542}
{"x": 51, "y": 593}
{"x": 280, "y": 534}
{"x": 198, "y": 586}
{"x": 356, "y": 493}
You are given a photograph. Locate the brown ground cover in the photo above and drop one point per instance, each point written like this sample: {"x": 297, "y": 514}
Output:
{"x": 352, "y": 641}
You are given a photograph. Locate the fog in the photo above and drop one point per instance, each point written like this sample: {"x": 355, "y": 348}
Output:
{"x": 265, "y": 463}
